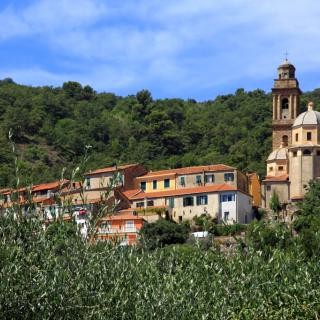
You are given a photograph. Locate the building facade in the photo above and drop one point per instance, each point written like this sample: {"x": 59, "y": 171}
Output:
{"x": 295, "y": 158}
{"x": 219, "y": 191}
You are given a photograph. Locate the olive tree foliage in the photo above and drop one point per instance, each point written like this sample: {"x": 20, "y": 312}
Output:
{"x": 54, "y": 274}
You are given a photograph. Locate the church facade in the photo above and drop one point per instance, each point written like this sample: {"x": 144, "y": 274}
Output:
{"x": 295, "y": 156}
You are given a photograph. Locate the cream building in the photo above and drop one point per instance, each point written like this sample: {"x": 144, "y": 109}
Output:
{"x": 295, "y": 159}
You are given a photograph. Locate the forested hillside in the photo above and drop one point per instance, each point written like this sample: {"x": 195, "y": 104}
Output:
{"x": 53, "y": 126}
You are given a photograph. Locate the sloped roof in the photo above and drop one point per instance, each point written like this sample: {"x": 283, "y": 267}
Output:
{"x": 187, "y": 170}
{"x": 130, "y": 193}
{"x": 49, "y": 186}
{"x": 278, "y": 154}
{"x": 283, "y": 177}
{"x": 110, "y": 169}
{"x": 184, "y": 191}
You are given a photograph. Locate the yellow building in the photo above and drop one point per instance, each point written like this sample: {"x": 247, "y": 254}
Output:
{"x": 254, "y": 189}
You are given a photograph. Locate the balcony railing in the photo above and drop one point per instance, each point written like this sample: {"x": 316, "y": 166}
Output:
{"x": 117, "y": 230}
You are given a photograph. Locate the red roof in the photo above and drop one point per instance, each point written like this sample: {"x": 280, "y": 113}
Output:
{"x": 110, "y": 169}
{"x": 6, "y": 191}
{"x": 49, "y": 186}
{"x": 188, "y": 170}
{"x": 130, "y": 193}
{"x": 283, "y": 177}
{"x": 184, "y": 191}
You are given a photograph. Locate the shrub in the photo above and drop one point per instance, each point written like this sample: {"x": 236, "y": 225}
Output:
{"x": 228, "y": 230}
{"x": 163, "y": 232}
{"x": 267, "y": 236}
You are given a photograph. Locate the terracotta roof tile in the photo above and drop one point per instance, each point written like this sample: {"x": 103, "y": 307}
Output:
{"x": 187, "y": 170}
{"x": 131, "y": 193}
{"x": 49, "y": 186}
{"x": 184, "y": 191}
{"x": 283, "y": 177}
{"x": 6, "y": 191}
{"x": 110, "y": 169}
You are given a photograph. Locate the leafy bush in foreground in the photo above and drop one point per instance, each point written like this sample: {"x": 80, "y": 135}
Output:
{"x": 228, "y": 229}
{"x": 267, "y": 236}
{"x": 163, "y": 232}
{"x": 56, "y": 275}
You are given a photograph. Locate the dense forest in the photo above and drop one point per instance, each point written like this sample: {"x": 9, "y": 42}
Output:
{"x": 53, "y": 127}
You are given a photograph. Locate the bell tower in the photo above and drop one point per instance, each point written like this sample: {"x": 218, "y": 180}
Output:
{"x": 286, "y": 97}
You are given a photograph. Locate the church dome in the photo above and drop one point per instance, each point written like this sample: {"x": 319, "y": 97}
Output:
{"x": 310, "y": 117}
{"x": 278, "y": 154}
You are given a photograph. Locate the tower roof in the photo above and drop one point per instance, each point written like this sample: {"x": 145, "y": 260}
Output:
{"x": 310, "y": 117}
{"x": 286, "y": 64}
{"x": 278, "y": 154}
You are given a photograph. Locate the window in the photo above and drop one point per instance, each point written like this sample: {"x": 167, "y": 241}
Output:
{"x": 154, "y": 184}
{"x": 280, "y": 168}
{"x": 87, "y": 183}
{"x": 182, "y": 181}
{"x": 228, "y": 177}
{"x": 309, "y": 136}
{"x": 306, "y": 152}
{"x": 294, "y": 153}
{"x": 227, "y": 197}
{"x": 202, "y": 200}
{"x": 170, "y": 202}
{"x": 187, "y": 201}
{"x": 167, "y": 183}
{"x": 129, "y": 225}
{"x": 268, "y": 188}
{"x": 297, "y": 136}
{"x": 208, "y": 178}
{"x": 318, "y": 153}
{"x": 285, "y": 140}
{"x": 270, "y": 169}
{"x": 198, "y": 179}
{"x": 150, "y": 203}
{"x": 143, "y": 185}
{"x": 105, "y": 226}
{"x": 140, "y": 204}
{"x": 285, "y": 103}
{"x": 226, "y": 215}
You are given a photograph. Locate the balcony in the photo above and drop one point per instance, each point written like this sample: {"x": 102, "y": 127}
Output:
{"x": 117, "y": 230}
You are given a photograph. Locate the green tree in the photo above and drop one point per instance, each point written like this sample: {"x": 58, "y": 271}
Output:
{"x": 163, "y": 232}
{"x": 310, "y": 206}
{"x": 275, "y": 204}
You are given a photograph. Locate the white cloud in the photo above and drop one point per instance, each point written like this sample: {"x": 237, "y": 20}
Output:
{"x": 46, "y": 16}
{"x": 180, "y": 44}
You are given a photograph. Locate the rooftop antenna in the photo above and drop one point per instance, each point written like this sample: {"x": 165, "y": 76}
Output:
{"x": 286, "y": 55}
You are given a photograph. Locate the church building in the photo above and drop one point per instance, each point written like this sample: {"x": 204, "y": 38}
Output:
{"x": 295, "y": 156}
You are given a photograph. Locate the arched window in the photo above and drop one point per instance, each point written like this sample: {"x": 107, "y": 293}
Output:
{"x": 306, "y": 152}
{"x": 285, "y": 108}
{"x": 285, "y": 140}
{"x": 285, "y": 103}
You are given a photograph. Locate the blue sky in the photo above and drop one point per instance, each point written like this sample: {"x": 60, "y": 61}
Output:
{"x": 175, "y": 48}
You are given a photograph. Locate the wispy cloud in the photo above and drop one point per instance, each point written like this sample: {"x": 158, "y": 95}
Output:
{"x": 183, "y": 46}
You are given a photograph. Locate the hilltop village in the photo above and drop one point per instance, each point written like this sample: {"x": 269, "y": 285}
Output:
{"x": 132, "y": 196}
